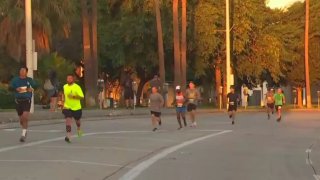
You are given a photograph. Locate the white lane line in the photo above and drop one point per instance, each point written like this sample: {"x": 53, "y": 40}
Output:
{"x": 9, "y": 148}
{"x": 308, "y": 150}
{"x": 317, "y": 177}
{"x": 137, "y": 170}
{"x": 34, "y": 130}
{"x": 135, "y": 138}
{"x": 96, "y": 148}
{"x": 62, "y": 161}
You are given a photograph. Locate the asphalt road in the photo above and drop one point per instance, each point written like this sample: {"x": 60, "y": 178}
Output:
{"x": 253, "y": 149}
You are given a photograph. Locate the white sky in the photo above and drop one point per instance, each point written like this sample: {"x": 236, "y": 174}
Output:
{"x": 281, "y": 3}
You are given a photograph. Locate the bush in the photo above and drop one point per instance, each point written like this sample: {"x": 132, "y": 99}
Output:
{"x": 7, "y": 98}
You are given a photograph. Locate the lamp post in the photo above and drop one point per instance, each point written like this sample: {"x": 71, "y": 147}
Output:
{"x": 229, "y": 78}
{"x": 29, "y": 48}
{"x": 306, "y": 53}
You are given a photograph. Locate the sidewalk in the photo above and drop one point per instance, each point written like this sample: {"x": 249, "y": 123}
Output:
{"x": 45, "y": 116}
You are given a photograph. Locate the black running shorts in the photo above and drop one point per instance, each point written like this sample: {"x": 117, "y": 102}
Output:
{"x": 23, "y": 105}
{"x": 68, "y": 113}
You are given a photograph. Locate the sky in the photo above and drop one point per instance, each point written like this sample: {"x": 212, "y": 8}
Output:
{"x": 281, "y": 3}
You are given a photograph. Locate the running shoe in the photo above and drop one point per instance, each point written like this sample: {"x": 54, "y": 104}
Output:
{"x": 23, "y": 139}
{"x": 67, "y": 139}
{"x": 268, "y": 116}
{"x": 279, "y": 119}
{"x": 154, "y": 129}
{"x": 232, "y": 122}
{"x": 230, "y": 116}
{"x": 80, "y": 133}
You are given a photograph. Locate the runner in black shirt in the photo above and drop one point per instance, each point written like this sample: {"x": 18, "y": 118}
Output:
{"x": 233, "y": 100}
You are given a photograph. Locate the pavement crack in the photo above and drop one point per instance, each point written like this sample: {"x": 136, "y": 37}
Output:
{"x": 309, "y": 161}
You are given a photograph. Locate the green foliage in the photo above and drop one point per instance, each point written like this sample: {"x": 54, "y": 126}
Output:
{"x": 57, "y": 63}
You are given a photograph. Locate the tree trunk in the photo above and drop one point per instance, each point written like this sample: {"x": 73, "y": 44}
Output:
{"x": 160, "y": 43}
{"x": 90, "y": 84}
{"x": 94, "y": 41}
{"x": 176, "y": 43}
{"x": 299, "y": 97}
{"x": 225, "y": 90}
{"x": 218, "y": 84}
{"x": 184, "y": 46}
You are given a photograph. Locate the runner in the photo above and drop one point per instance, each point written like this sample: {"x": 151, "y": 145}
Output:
{"x": 23, "y": 87}
{"x": 156, "y": 103}
{"x": 193, "y": 96}
{"x": 279, "y": 102}
{"x": 72, "y": 106}
{"x": 270, "y": 102}
{"x": 233, "y": 100}
{"x": 180, "y": 107}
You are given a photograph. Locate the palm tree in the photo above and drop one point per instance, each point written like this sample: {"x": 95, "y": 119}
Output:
{"x": 176, "y": 44}
{"x": 87, "y": 55}
{"x": 184, "y": 45}
{"x": 47, "y": 17}
{"x": 160, "y": 42}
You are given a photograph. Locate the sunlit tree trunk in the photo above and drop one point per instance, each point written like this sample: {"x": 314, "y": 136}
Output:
{"x": 184, "y": 45}
{"x": 299, "y": 97}
{"x": 90, "y": 84}
{"x": 160, "y": 42}
{"x": 308, "y": 90}
{"x": 176, "y": 44}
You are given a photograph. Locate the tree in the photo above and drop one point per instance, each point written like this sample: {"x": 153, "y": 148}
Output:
{"x": 48, "y": 17}
{"x": 176, "y": 42}
{"x": 160, "y": 42}
{"x": 184, "y": 45}
{"x": 306, "y": 54}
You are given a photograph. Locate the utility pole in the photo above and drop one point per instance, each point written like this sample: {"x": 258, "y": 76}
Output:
{"x": 29, "y": 48}
{"x": 306, "y": 54}
{"x": 229, "y": 78}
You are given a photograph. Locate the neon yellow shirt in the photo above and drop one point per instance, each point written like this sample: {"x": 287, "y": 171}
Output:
{"x": 74, "y": 90}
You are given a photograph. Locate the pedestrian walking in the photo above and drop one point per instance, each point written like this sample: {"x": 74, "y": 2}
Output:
{"x": 23, "y": 87}
{"x": 101, "y": 90}
{"x": 280, "y": 100}
{"x": 233, "y": 100}
{"x": 156, "y": 103}
{"x": 181, "y": 109}
{"x": 193, "y": 96}
{"x": 51, "y": 86}
{"x": 269, "y": 99}
{"x": 72, "y": 95}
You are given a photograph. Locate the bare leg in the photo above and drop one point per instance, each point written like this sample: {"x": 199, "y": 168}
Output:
{"x": 155, "y": 121}
{"x": 68, "y": 126}
{"x": 192, "y": 118}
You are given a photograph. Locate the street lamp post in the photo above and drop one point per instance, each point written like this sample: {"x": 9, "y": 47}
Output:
{"x": 29, "y": 49}
{"x": 229, "y": 78}
{"x": 308, "y": 91}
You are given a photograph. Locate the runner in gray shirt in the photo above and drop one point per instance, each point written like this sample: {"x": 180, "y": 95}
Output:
{"x": 193, "y": 96}
{"x": 156, "y": 103}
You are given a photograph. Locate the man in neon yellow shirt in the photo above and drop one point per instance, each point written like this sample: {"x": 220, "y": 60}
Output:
{"x": 280, "y": 100}
{"x": 72, "y": 95}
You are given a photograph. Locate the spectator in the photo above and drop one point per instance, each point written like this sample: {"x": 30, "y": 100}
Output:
{"x": 128, "y": 91}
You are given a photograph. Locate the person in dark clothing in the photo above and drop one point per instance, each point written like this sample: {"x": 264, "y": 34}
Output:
{"x": 128, "y": 91}
{"x": 233, "y": 100}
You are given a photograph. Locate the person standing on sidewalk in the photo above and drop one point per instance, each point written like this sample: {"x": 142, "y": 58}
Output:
{"x": 233, "y": 100}
{"x": 156, "y": 103}
{"x": 193, "y": 96}
{"x": 180, "y": 107}
{"x": 72, "y": 95}
{"x": 23, "y": 87}
{"x": 279, "y": 102}
{"x": 269, "y": 99}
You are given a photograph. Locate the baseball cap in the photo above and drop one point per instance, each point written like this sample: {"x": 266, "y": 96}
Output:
{"x": 178, "y": 87}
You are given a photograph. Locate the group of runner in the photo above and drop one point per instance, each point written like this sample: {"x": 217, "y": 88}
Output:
{"x": 73, "y": 94}
{"x": 23, "y": 86}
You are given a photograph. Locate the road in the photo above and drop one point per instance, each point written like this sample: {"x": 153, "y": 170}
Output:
{"x": 253, "y": 149}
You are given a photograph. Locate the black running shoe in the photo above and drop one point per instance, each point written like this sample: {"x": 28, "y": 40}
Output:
{"x": 232, "y": 122}
{"x": 230, "y": 116}
{"x": 160, "y": 123}
{"x": 279, "y": 119}
{"x": 23, "y": 139}
{"x": 154, "y": 129}
{"x": 67, "y": 139}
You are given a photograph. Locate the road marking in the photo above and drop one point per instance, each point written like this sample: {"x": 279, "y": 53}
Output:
{"x": 35, "y": 130}
{"x": 308, "y": 150}
{"x": 9, "y": 148}
{"x": 63, "y": 161}
{"x": 137, "y": 170}
{"x": 97, "y": 148}
{"x": 151, "y": 139}
{"x": 317, "y": 177}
